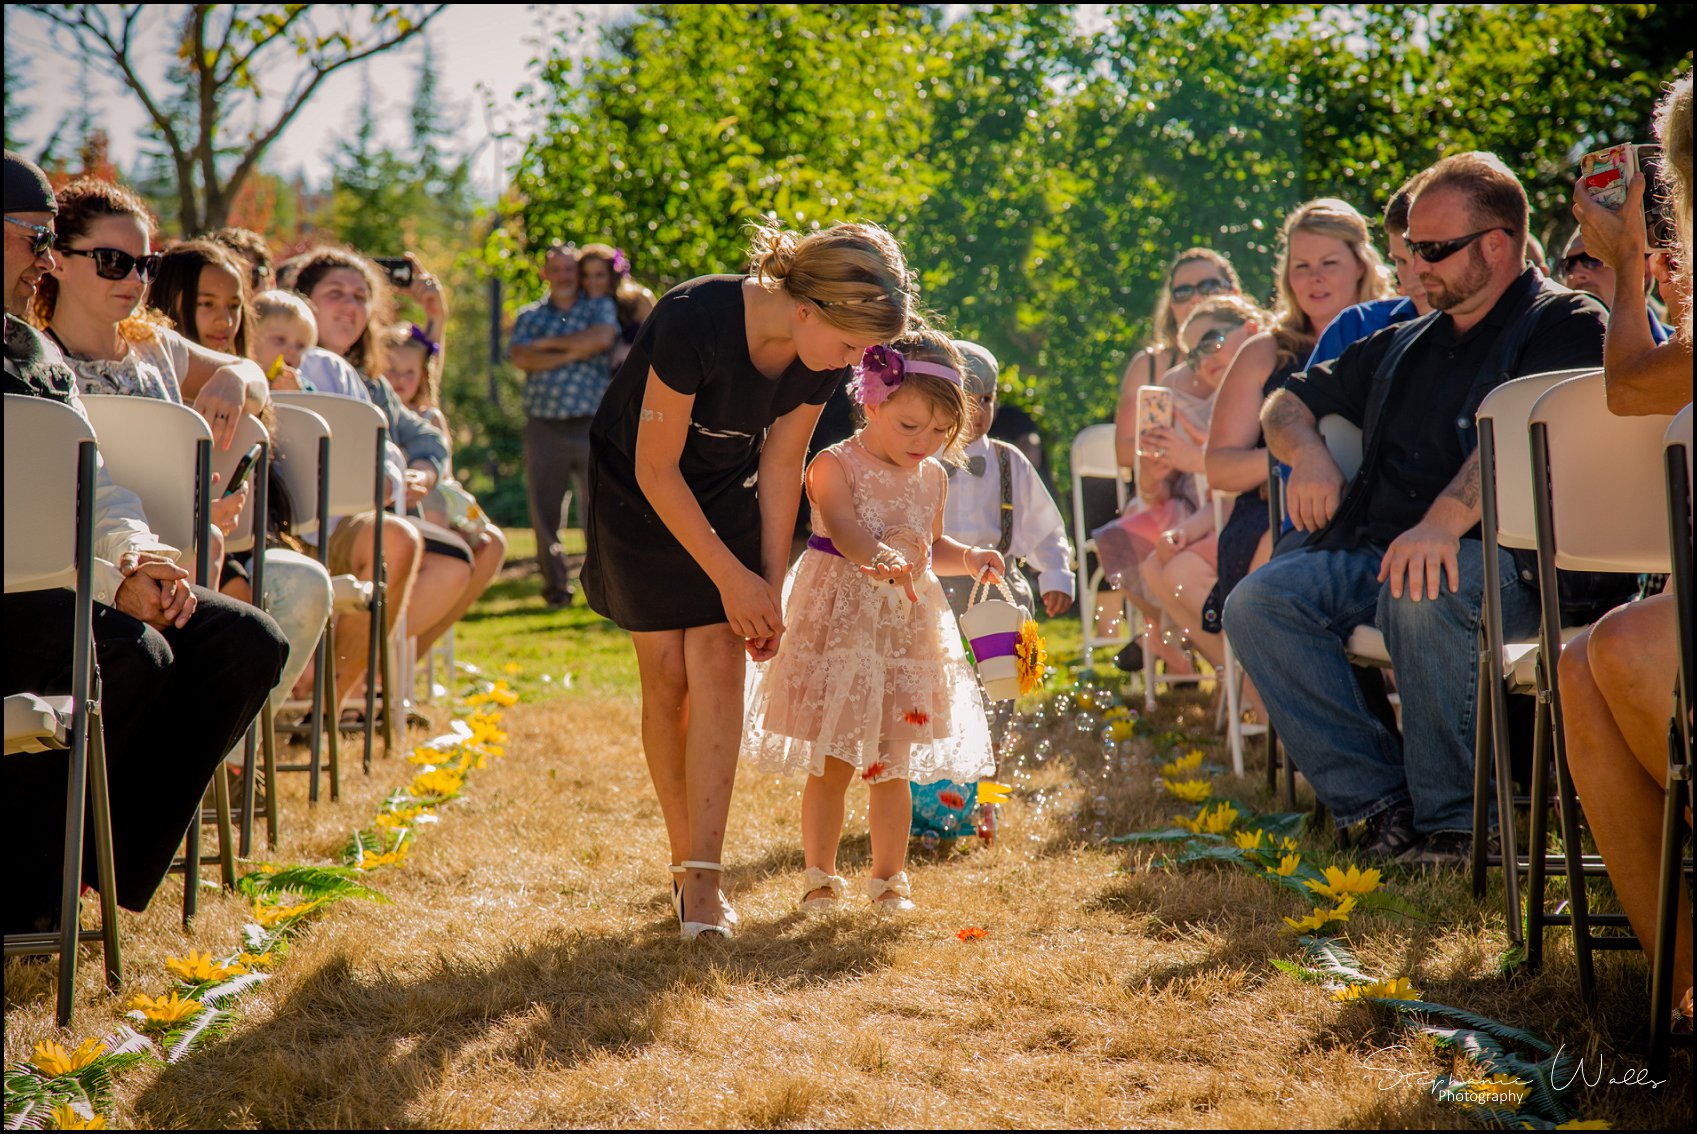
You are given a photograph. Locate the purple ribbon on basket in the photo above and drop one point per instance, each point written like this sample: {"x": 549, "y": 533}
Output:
{"x": 995, "y": 645}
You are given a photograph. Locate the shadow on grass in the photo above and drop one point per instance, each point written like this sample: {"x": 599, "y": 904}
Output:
{"x": 359, "y": 1048}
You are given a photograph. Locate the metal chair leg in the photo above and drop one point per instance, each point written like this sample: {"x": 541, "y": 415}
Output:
{"x": 1537, "y": 846}
{"x": 268, "y": 745}
{"x": 226, "y": 833}
{"x": 104, "y": 861}
{"x": 332, "y": 710}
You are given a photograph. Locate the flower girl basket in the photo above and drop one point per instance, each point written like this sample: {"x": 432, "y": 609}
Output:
{"x": 991, "y": 626}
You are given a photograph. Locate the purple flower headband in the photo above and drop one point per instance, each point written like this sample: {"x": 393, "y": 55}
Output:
{"x": 431, "y": 346}
{"x": 621, "y": 262}
{"x": 884, "y": 368}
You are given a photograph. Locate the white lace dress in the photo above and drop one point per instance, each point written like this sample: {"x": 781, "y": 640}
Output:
{"x": 863, "y": 673}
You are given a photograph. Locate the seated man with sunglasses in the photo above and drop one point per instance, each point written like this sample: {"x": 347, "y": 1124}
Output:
{"x": 1398, "y": 548}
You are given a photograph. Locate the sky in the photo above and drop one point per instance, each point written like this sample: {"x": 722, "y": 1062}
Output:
{"x": 481, "y": 51}
{"x": 477, "y": 47}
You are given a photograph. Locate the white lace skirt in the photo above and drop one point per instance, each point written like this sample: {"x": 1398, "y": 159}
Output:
{"x": 869, "y": 677}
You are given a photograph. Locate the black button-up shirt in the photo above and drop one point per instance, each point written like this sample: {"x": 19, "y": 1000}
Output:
{"x": 1425, "y": 435}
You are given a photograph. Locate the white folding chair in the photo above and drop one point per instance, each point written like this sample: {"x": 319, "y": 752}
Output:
{"x": 162, "y": 452}
{"x": 1508, "y": 520}
{"x": 1679, "y": 794}
{"x": 1599, "y": 507}
{"x": 301, "y": 459}
{"x": 359, "y": 434}
{"x": 1094, "y": 455}
{"x": 49, "y": 545}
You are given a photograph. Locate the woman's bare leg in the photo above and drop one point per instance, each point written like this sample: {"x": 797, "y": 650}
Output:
{"x": 714, "y": 658}
{"x": 1617, "y": 699}
{"x": 665, "y": 717}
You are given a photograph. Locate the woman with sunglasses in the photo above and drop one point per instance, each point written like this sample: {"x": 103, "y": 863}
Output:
{"x": 1180, "y": 570}
{"x": 1327, "y": 262}
{"x": 1194, "y": 276}
{"x": 91, "y": 304}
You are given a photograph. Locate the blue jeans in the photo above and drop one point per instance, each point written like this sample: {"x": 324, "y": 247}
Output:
{"x": 1288, "y": 623}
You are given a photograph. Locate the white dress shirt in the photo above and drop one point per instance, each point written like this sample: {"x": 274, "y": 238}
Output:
{"x": 973, "y": 515}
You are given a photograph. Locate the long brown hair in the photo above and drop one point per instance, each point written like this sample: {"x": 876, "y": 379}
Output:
{"x": 176, "y": 289}
{"x": 82, "y": 203}
{"x": 1294, "y": 332}
{"x": 366, "y": 354}
{"x": 1164, "y": 324}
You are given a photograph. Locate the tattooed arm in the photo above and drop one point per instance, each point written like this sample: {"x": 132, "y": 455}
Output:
{"x": 1316, "y": 484}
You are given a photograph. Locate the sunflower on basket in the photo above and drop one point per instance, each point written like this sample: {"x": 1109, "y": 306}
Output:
{"x": 1033, "y": 657}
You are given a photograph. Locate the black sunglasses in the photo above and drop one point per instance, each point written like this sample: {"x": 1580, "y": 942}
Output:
{"x": 116, "y": 264}
{"x": 42, "y": 237}
{"x": 1210, "y": 343}
{"x": 1434, "y": 251}
{"x": 1579, "y": 260}
{"x": 1215, "y": 286}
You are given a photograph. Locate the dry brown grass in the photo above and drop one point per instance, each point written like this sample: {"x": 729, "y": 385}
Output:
{"x": 528, "y": 974}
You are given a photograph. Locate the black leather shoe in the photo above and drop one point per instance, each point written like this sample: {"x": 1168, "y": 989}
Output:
{"x": 1446, "y": 849}
{"x": 1389, "y": 834}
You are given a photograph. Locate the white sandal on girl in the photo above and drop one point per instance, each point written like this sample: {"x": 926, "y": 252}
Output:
{"x": 816, "y": 879}
{"x": 678, "y": 898}
{"x": 691, "y": 930}
{"x": 877, "y": 888}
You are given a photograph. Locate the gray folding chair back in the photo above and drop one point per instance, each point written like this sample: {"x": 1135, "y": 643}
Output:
{"x": 1093, "y": 455}
{"x": 49, "y": 463}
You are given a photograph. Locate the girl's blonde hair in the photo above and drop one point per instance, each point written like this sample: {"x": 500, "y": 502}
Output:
{"x": 1673, "y": 130}
{"x": 854, "y": 273}
{"x": 280, "y": 304}
{"x": 1232, "y": 309}
{"x": 927, "y": 344}
{"x": 400, "y": 337}
{"x": 1164, "y": 323}
{"x": 1293, "y": 332}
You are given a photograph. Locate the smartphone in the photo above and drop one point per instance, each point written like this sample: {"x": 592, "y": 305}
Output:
{"x": 1154, "y": 410}
{"x": 399, "y": 269}
{"x": 1607, "y": 173}
{"x": 244, "y": 468}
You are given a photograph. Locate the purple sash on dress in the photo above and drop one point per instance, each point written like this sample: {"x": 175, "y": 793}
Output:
{"x": 822, "y": 543}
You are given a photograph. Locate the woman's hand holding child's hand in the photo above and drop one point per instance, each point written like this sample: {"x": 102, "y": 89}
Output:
{"x": 751, "y": 607}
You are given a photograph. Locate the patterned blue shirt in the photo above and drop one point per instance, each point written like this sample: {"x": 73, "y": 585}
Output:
{"x": 575, "y": 389}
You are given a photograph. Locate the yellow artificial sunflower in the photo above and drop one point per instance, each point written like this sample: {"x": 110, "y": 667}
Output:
{"x": 68, "y": 1117}
{"x": 991, "y": 792}
{"x": 512, "y": 669}
{"x": 52, "y": 1060}
{"x": 388, "y": 858}
{"x": 1321, "y": 918}
{"x": 1249, "y": 840}
{"x": 443, "y": 782}
{"x": 1191, "y": 791}
{"x": 257, "y": 960}
{"x": 164, "y": 1011}
{"x": 1288, "y": 844}
{"x": 1494, "y": 1091}
{"x": 1033, "y": 657}
{"x": 1340, "y": 883}
{"x": 1216, "y": 820}
{"x": 1120, "y": 729}
{"x": 1287, "y": 866}
{"x": 1398, "y": 988}
{"x": 268, "y": 916}
{"x": 198, "y": 968}
{"x": 1184, "y": 765}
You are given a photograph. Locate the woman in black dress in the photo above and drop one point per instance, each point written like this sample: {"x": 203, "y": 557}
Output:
{"x": 696, "y": 459}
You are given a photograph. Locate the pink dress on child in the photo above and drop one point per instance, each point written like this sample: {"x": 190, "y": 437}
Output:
{"x": 862, "y": 673}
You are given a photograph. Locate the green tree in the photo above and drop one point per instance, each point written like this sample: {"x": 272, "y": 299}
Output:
{"x": 229, "y": 57}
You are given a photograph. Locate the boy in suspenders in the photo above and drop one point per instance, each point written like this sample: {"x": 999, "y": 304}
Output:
{"x": 999, "y": 500}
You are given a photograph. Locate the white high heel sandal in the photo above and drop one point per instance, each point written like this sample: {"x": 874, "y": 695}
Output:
{"x": 691, "y": 930}
{"x": 678, "y": 899}
{"x": 877, "y": 888}
{"x": 817, "y": 879}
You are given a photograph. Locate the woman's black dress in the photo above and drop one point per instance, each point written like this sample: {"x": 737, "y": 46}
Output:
{"x": 1244, "y": 528}
{"x": 636, "y": 572}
